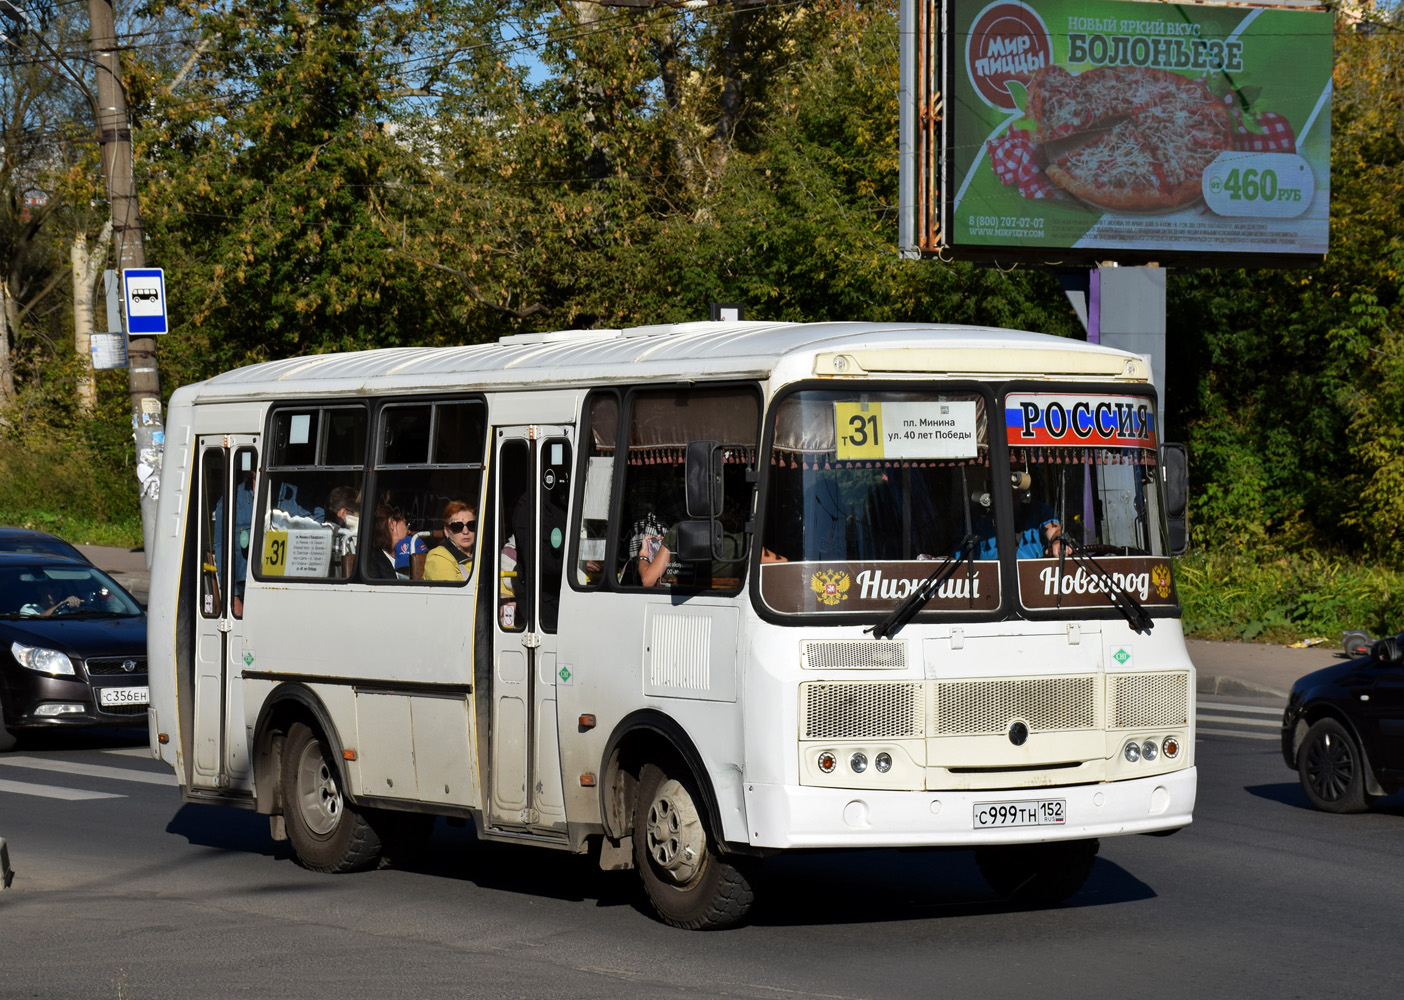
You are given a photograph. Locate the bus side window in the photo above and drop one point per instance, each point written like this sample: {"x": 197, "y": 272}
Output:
{"x": 315, "y": 493}
{"x": 601, "y": 432}
{"x": 660, "y": 425}
{"x": 427, "y": 455}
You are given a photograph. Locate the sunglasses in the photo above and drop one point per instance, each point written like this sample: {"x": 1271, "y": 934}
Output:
{"x": 458, "y": 526}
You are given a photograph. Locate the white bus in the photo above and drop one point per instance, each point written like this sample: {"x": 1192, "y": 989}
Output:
{"x": 684, "y": 596}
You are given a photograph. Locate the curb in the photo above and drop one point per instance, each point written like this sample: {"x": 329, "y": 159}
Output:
{"x": 1216, "y": 684}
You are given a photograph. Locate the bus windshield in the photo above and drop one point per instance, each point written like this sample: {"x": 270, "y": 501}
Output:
{"x": 869, "y": 490}
{"x": 1085, "y": 471}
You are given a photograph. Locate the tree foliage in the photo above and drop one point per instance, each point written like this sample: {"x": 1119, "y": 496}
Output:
{"x": 321, "y": 175}
{"x": 1287, "y": 384}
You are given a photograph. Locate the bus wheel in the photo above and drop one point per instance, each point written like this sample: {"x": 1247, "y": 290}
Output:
{"x": 686, "y": 880}
{"x": 1037, "y": 874}
{"x": 327, "y": 833}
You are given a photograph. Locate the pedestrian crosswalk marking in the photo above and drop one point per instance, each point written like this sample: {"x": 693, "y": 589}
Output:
{"x": 1265, "y": 723}
{"x": 90, "y": 770}
{"x": 54, "y": 791}
{"x": 1234, "y": 732}
{"x": 1234, "y": 707}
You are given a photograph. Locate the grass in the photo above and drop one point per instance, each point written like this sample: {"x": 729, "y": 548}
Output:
{"x": 76, "y": 527}
{"x": 1287, "y": 598}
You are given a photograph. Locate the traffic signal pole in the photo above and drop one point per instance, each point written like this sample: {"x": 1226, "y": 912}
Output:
{"x": 115, "y": 136}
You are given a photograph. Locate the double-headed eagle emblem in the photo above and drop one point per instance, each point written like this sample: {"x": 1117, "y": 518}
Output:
{"x": 831, "y": 586}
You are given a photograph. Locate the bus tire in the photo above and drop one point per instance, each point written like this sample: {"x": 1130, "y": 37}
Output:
{"x": 326, "y": 832}
{"x": 1332, "y": 768}
{"x": 1037, "y": 874}
{"x": 686, "y": 880}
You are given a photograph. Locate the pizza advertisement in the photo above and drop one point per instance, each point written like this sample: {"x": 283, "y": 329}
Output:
{"x": 1113, "y": 125}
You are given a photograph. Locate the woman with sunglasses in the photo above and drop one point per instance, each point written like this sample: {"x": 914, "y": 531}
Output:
{"x": 453, "y": 560}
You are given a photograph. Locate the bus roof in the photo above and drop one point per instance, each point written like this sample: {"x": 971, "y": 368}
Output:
{"x": 682, "y": 352}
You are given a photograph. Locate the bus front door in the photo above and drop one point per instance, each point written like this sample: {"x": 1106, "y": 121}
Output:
{"x": 217, "y": 750}
{"x": 527, "y": 545}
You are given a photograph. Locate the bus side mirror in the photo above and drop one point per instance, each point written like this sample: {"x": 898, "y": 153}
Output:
{"x": 699, "y": 541}
{"x": 1176, "y": 466}
{"x": 704, "y": 479}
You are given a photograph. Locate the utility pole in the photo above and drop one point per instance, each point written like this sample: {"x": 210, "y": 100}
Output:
{"x": 114, "y": 133}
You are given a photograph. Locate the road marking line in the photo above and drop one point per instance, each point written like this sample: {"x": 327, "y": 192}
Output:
{"x": 90, "y": 770}
{"x": 1239, "y": 722}
{"x": 142, "y": 752}
{"x": 1229, "y": 732}
{"x": 53, "y": 791}
{"x": 1232, "y": 707}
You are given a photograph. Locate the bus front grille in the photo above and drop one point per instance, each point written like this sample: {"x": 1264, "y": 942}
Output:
{"x": 855, "y": 654}
{"x": 990, "y": 707}
{"x": 1141, "y": 700}
{"x": 870, "y": 710}
{"x": 861, "y": 710}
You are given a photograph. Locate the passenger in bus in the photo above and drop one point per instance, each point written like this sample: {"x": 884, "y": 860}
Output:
{"x": 407, "y": 545}
{"x": 657, "y": 552}
{"x": 344, "y": 508}
{"x": 453, "y": 560}
{"x": 1038, "y": 530}
{"x": 380, "y": 564}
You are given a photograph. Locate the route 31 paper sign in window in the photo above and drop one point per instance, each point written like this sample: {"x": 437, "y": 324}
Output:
{"x": 927, "y": 429}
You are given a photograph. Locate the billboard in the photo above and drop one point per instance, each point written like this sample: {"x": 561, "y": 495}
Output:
{"x": 1083, "y": 130}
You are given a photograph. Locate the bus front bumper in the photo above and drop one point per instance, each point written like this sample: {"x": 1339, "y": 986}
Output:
{"x": 798, "y": 816}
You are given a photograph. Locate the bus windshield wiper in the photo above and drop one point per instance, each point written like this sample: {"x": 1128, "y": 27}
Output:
{"x": 1121, "y": 598}
{"x": 923, "y": 592}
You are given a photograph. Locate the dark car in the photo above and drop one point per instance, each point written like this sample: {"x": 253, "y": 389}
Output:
{"x": 72, "y": 647}
{"x": 1343, "y": 731}
{"x": 39, "y": 542}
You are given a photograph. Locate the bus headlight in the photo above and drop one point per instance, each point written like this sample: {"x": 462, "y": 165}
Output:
{"x": 883, "y": 763}
{"x": 859, "y": 763}
{"x": 1132, "y": 752}
{"x": 45, "y": 661}
{"x": 1149, "y": 750}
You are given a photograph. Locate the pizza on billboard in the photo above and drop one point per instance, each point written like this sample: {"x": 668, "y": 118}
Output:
{"x": 1127, "y": 138}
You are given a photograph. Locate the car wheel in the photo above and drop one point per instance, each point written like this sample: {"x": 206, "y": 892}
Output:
{"x": 7, "y": 738}
{"x": 1331, "y": 767}
{"x": 1037, "y": 874}
{"x": 328, "y": 834}
{"x": 687, "y": 881}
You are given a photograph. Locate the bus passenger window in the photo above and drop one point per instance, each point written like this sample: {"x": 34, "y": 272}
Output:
{"x": 660, "y": 425}
{"x": 313, "y": 499}
{"x": 601, "y": 432}
{"x": 429, "y": 455}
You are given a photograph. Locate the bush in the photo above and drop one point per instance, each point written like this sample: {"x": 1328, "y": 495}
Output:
{"x": 1285, "y": 598}
{"x": 78, "y": 484}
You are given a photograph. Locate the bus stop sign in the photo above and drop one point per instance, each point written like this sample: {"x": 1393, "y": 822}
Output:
{"x": 145, "y": 291}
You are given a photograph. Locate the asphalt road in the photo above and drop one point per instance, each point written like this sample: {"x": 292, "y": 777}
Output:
{"x": 137, "y": 896}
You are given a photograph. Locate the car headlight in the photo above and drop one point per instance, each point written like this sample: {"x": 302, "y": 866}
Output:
{"x": 45, "y": 661}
